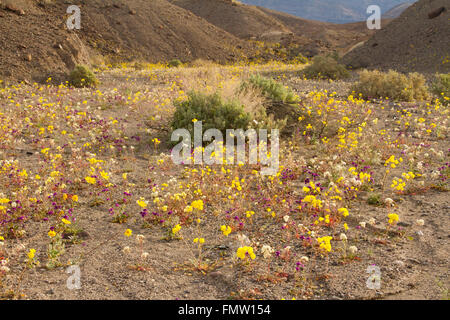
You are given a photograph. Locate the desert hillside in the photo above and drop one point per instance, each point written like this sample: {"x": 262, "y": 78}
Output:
{"x": 412, "y": 42}
{"x": 36, "y": 43}
{"x": 240, "y": 20}
{"x": 318, "y": 37}
{"x": 308, "y": 37}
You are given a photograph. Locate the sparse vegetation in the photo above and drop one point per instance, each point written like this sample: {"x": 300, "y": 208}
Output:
{"x": 212, "y": 110}
{"x": 441, "y": 87}
{"x": 175, "y": 63}
{"x": 374, "y": 199}
{"x": 392, "y": 85}
{"x": 325, "y": 67}
{"x": 273, "y": 90}
{"x": 82, "y": 76}
{"x": 299, "y": 59}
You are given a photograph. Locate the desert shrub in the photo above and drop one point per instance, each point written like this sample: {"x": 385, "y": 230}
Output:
{"x": 212, "y": 110}
{"x": 325, "y": 67}
{"x": 374, "y": 199}
{"x": 441, "y": 87}
{"x": 98, "y": 61}
{"x": 82, "y": 76}
{"x": 175, "y": 63}
{"x": 392, "y": 85}
{"x": 271, "y": 89}
{"x": 202, "y": 63}
{"x": 281, "y": 103}
{"x": 138, "y": 65}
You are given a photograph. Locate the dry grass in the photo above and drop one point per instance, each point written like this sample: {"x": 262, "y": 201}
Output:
{"x": 392, "y": 85}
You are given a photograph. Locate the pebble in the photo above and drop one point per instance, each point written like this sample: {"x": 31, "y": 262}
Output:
{"x": 400, "y": 263}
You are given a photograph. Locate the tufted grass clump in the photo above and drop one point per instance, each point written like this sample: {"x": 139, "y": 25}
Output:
{"x": 271, "y": 89}
{"x": 325, "y": 67}
{"x": 393, "y": 85}
{"x": 82, "y": 77}
{"x": 281, "y": 102}
{"x": 441, "y": 87}
{"x": 175, "y": 63}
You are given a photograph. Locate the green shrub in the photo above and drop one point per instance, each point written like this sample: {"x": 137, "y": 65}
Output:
{"x": 139, "y": 65}
{"x": 374, "y": 199}
{"x": 392, "y": 85}
{"x": 279, "y": 111}
{"x": 212, "y": 110}
{"x": 325, "y": 67}
{"x": 175, "y": 63}
{"x": 82, "y": 76}
{"x": 271, "y": 89}
{"x": 441, "y": 87}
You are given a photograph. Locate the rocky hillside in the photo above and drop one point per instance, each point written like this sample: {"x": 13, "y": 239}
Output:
{"x": 240, "y": 20}
{"x": 419, "y": 40}
{"x": 309, "y": 37}
{"x": 35, "y": 42}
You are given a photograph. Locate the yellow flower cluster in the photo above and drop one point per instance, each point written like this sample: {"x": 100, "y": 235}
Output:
{"x": 31, "y": 253}
{"x": 315, "y": 203}
{"x": 242, "y": 253}
{"x": 90, "y": 180}
{"x": 249, "y": 214}
{"x": 142, "y": 203}
{"x": 393, "y": 218}
{"x": 409, "y": 175}
{"x": 325, "y": 243}
{"x": 344, "y": 212}
{"x": 398, "y": 184}
{"x": 176, "y": 229}
{"x": 226, "y": 230}
{"x": 197, "y": 204}
{"x": 392, "y": 161}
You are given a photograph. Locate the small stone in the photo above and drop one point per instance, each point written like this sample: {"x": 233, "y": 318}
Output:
{"x": 403, "y": 224}
{"x": 400, "y": 263}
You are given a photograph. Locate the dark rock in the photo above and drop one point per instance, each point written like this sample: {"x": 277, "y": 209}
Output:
{"x": 436, "y": 13}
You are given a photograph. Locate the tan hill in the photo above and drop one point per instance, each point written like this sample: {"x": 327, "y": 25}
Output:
{"x": 35, "y": 41}
{"x": 317, "y": 37}
{"x": 250, "y": 22}
{"x": 240, "y": 20}
{"x": 418, "y": 40}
